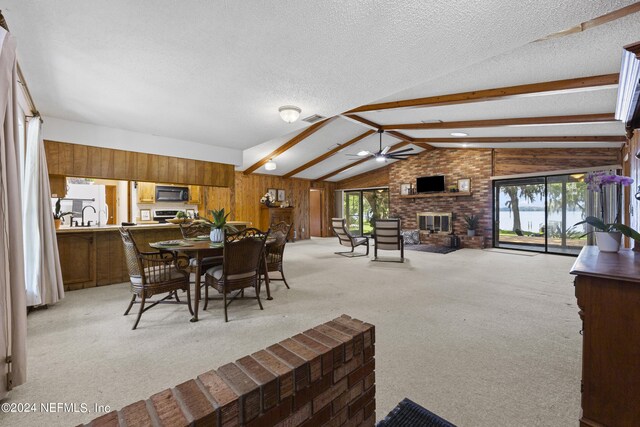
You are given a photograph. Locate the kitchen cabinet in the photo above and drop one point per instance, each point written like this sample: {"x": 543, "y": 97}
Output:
{"x": 146, "y": 192}
{"x": 195, "y": 195}
{"x": 95, "y": 257}
{"x": 77, "y": 259}
{"x": 85, "y": 161}
{"x": 58, "y": 184}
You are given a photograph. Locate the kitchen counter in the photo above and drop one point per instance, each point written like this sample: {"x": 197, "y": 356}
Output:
{"x": 113, "y": 227}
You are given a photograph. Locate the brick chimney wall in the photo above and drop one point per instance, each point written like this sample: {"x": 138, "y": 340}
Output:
{"x": 454, "y": 164}
{"x": 323, "y": 376}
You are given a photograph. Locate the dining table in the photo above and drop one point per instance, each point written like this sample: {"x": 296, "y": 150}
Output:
{"x": 198, "y": 249}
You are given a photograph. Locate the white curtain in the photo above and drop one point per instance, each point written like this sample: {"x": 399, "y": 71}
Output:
{"x": 13, "y": 313}
{"x": 43, "y": 275}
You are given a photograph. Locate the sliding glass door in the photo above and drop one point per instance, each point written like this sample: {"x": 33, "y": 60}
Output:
{"x": 353, "y": 212}
{"x": 568, "y": 203}
{"x": 520, "y": 214}
{"x": 539, "y": 214}
{"x": 363, "y": 207}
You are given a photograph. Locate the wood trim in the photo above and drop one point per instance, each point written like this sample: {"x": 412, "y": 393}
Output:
{"x": 610, "y": 138}
{"x": 289, "y": 144}
{"x": 592, "y": 23}
{"x": 507, "y": 92}
{"x": 519, "y": 121}
{"x": 359, "y": 162}
{"x": 328, "y": 154}
{"x": 362, "y": 121}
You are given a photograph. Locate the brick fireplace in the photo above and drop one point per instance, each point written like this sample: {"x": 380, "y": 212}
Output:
{"x": 454, "y": 164}
{"x": 436, "y": 222}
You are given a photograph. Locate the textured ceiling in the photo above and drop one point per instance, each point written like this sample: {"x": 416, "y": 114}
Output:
{"x": 216, "y": 72}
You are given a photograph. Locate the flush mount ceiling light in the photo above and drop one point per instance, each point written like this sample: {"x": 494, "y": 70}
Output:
{"x": 270, "y": 165}
{"x": 289, "y": 113}
{"x": 459, "y": 134}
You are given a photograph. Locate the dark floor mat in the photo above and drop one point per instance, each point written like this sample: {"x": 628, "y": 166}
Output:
{"x": 430, "y": 248}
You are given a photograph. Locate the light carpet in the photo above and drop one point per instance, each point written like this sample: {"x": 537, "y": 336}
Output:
{"x": 480, "y": 338}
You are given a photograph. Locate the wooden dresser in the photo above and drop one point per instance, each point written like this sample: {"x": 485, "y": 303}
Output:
{"x": 608, "y": 293}
{"x": 273, "y": 215}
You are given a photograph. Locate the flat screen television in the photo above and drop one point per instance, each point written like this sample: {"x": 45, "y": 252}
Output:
{"x": 430, "y": 184}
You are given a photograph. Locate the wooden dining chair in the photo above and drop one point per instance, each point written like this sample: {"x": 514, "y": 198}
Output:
{"x": 275, "y": 250}
{"x": 197, "y": 229}
{"x": 152, "y": 273}
{"x": 339, "y": 226}
{"x": 240, "y": 269}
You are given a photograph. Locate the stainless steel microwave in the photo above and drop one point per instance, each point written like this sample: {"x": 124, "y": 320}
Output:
{"x": 165, "y": 193}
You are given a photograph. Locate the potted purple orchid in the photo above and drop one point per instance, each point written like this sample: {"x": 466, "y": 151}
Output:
{"x": 609, "y": 235}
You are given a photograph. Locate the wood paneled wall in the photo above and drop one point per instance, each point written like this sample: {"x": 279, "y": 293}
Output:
{"x": 95, "y": 162}
{"x": 244, "y": 200}
{"x": 513, "y": 161}
{"x": 375, "y": 178}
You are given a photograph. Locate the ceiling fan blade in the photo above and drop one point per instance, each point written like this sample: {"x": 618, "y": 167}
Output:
{"x": 401, "y": 156}
{"x": 402, "y": 151}
{"x": 385, "y": 150}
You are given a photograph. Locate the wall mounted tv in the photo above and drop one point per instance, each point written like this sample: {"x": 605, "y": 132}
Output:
{"x": 430, "y": 184}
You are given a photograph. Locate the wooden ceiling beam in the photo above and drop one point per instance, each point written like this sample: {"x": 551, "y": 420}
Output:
{"x": 376, "y": 126}
{"x": 507, "y": 92}
{"x": 289, "y": 144}
{"x": 600, "y": 20}
{"x": 609, "y": 138}
{"x": 329, "y": 153}
{"x": 521, "y": 121}
{"x": 359, "y": 162}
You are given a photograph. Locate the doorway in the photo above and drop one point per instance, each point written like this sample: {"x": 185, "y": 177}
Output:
{"x": 111, "y": 200}
{"x": 315, "y": 213}
{"x": 363, "y": 207}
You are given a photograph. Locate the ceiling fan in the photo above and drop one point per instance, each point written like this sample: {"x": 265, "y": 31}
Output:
{"x": 383, "y": 154}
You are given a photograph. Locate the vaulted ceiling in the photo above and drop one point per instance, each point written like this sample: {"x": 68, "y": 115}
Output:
{"x": 216, "y": 72}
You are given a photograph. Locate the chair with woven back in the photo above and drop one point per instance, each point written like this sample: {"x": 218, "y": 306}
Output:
{"x": 241, "y": 266}
{"x": 388, "y": 237}
{"x": 345, "y": 238}
{"x": 152, "y": 273}
{"x": 275, "y": 250}
{"x": 198, "y": 229}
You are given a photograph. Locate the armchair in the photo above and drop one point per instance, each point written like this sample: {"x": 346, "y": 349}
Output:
{"x": 339, "y": 226}
{"x": 152, "y": 273}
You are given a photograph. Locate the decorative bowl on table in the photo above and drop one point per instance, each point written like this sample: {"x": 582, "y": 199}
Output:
{"x": 179, "y": 220}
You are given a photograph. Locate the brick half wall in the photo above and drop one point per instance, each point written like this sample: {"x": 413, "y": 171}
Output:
{"x": 323, "y": 376}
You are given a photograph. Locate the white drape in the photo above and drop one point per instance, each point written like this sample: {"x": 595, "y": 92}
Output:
{"x": 43, "y": 275}
{"x": 13, "y": 314}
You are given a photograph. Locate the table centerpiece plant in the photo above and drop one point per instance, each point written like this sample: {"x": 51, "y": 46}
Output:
{"x": 609, "y": 235}
{"x": 58, "y": 214}
{"x": 218, "y": 224}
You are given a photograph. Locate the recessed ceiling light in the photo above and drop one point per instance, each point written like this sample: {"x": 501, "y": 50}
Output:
{"x": 365, "y": 153}
{"x": 464, "y": 145}
{"x": 459, "y": 134}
